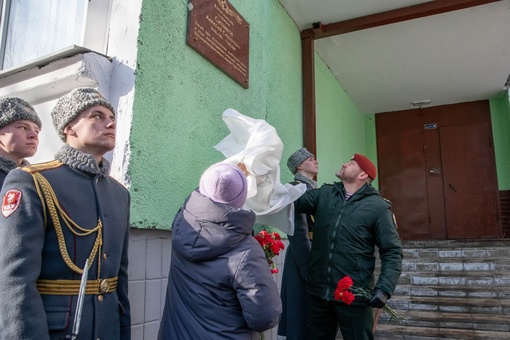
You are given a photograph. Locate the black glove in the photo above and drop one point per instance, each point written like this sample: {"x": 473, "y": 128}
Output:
{"x": 378, "y": 300}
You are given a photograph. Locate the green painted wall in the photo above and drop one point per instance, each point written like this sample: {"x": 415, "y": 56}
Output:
{"x": 500, "y": 116}
{"x": 342, "y": 129}
{"x": 180, "y": 96}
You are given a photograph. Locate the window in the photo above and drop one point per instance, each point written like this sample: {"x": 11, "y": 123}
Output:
{"x": 34, "y": 29}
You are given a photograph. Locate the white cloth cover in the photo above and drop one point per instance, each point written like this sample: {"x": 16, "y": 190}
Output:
{"x": 256, "y": 144}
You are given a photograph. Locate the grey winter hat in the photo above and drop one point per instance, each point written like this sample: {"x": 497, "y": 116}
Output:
{"x": 297, "y": 158}
{"x": 13, "y": 109}
{"x": 70, "y": 105}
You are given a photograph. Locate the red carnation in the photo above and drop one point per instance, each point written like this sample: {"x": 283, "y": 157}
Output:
{"x": 271, "y": 244}
{"x": 347, "y": 297}
{"x": 345, "y": 283}
{"x": 346, "y": 292}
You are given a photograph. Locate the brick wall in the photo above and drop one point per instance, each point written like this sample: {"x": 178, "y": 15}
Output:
{"x": 504, "y": 198}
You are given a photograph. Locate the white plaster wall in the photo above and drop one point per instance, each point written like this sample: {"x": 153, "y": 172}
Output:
{"x": 122, "y": 46}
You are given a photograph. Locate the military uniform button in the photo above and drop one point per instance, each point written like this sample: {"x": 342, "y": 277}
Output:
{"x": 104, "y": 256}
{"x": 100, "y": 298}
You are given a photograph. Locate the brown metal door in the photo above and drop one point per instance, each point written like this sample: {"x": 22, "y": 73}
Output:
{"x": 470, "y": 191}
{"x": 401, "y": 171}
{"x": 427, "y": 161}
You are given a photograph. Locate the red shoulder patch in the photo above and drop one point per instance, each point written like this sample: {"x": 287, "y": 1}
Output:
{"x": 11, "y": 202}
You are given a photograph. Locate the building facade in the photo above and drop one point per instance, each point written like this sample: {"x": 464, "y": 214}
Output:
{"x": 169, "y": 102}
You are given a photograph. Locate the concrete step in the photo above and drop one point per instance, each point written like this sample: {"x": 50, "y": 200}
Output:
{"x": 457, "y": 244}
{"x": 438, "y": 253}
{"x": 448, "y": 304}
{"x": 456, "y": 264}
{"x": 462, "y": 291}
{"x": 451, "y": 290}
{"x": 391, "y": 332}
{"x": 436, "y": 319}
{"x": 473, "y": 278}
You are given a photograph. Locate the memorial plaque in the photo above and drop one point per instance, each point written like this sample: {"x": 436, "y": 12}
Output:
{"x": 221, "y": 35}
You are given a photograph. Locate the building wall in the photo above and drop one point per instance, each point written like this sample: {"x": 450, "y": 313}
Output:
{"x": 169, "y": 101}
{"x": 180, "y": 97}
{"x": 149, "y": 263}
{"x": 166, "y": 140}
{"x": 504, "y": 200}
{"x": 340, "y": 124}
{"x": 178, "y": 101}
{"x": 500, "y": 116}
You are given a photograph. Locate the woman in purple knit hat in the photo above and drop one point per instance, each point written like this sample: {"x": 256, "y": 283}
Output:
{"x": 220, "y": 285}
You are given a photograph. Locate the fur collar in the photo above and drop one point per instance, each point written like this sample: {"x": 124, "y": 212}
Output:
{"x": 7, "y": 165}
{"x": 82, "y": 161}
{"x": 306, "y": 180}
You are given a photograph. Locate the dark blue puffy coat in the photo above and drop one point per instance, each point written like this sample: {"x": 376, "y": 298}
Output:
{"x": 220, "y": 285}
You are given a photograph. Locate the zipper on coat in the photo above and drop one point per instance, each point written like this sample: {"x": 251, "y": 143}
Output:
{"x": 330, "y": 250}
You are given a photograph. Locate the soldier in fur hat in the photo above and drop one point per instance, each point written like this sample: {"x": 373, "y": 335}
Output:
{"x": 293, "y": 322}
{"x": 55, "y": 216}
{"x": 19, "y": 134}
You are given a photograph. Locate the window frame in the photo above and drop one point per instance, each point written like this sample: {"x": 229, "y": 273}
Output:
{"x": 95, "y": 37}
{"x": 5, "y": 7}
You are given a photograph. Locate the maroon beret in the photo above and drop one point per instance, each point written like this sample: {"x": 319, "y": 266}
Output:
{"x": 366, "y": 165}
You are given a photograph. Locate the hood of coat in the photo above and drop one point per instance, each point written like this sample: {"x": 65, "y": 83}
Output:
{"x": 203, "y": 229}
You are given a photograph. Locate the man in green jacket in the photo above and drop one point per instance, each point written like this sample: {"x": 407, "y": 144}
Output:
{"x": 351, "y": 219}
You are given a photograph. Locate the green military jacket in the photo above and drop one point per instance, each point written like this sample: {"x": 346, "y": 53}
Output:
{"x": 345, "y": 236}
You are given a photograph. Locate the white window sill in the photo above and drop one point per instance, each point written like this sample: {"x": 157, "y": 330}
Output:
{"x": 52, "y": 76}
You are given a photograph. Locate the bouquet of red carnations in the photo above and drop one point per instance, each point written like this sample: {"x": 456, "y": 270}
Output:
{"x": 272, "y": 245}
{"x": 346, "y": 292}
